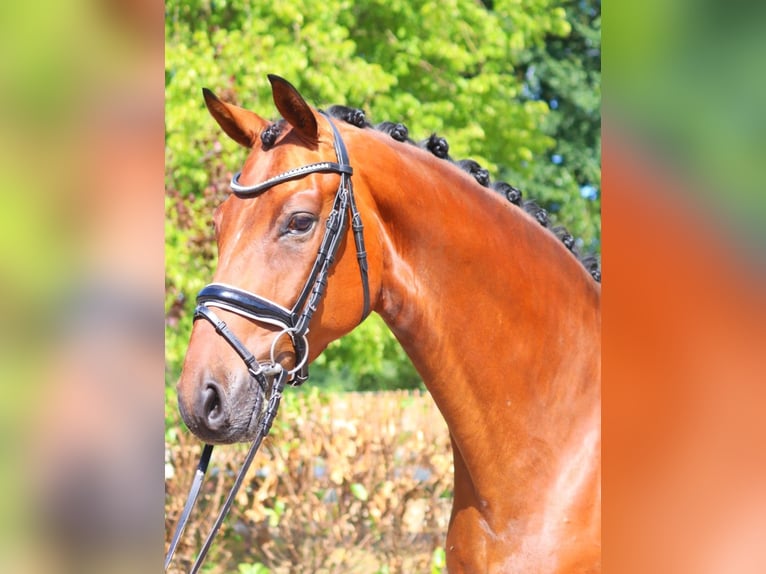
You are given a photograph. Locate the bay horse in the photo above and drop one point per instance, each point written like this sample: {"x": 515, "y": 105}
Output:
{"x": 498, "y": 315}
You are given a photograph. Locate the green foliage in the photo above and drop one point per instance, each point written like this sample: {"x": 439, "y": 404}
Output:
{"x": 484, "y": 75}
{"x": 565, "y": 72}
{"x": 368, "y": 358}
{"x": 275, "y": 514}
{"x": 359, "y": 491}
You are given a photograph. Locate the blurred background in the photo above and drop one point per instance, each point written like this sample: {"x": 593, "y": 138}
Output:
{"x": 91, "y": 256}
{"x": 81, "y": 268}
{"x": 684, "y": 476}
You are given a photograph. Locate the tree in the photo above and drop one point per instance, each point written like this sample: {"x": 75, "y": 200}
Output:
{"x": 565, "y": 73}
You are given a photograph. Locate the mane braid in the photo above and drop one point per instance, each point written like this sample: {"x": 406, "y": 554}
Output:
{"x": 566, "y": 238}
{"x": 536, "y": 211}
{"x": 353, "y": 116}
{"x": 439, "y": 147}
{"x": 591, "y": 263}
{"x": 397, "y": 131}
{"x": 480, "y": 174}
{"x": 270, "y": 134}
{"x": 511, "y": 193}
{"x": 436, "y": 145}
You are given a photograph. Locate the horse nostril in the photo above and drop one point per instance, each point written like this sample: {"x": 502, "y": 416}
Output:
{"x": 212, "y": 407}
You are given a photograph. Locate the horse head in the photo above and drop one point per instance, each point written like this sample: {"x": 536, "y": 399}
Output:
{"x": 286, "y": 262}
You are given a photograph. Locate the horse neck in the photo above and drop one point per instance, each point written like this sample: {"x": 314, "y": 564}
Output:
{"x": 499, "y": 319}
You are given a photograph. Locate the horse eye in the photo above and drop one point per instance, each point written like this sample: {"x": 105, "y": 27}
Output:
{"x": 300, "y": 223}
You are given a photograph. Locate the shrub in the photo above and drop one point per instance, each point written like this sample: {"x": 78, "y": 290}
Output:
{"x": 355, "y": 482}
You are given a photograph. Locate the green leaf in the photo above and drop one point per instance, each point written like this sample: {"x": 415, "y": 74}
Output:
{"x": 438, "y": 560}
{"x": 359, "y": 491}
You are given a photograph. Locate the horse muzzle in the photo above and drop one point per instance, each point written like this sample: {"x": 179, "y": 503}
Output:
{"x": 225, "y": 414}
{"x": 228, "y": 408}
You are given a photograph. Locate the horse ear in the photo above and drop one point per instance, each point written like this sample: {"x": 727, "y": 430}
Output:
{"x": 243, "y": 126}
{"x": 294, "y": 108}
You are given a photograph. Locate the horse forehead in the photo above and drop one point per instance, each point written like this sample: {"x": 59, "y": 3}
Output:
{"x": 260, "y": 165}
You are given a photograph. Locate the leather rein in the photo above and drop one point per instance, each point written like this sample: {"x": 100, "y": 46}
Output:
{"x": 294, "y": 322}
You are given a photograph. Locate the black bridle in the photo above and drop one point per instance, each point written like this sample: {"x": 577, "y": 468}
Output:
{"x": 294, "y": 323}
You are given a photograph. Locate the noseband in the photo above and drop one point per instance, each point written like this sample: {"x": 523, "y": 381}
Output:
{"x": 292, "y": 322}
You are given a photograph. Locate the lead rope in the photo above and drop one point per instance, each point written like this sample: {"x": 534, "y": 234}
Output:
{"x": 278, "y": 386}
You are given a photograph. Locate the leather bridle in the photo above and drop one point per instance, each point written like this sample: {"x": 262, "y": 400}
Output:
{"x": 292, "y": 322}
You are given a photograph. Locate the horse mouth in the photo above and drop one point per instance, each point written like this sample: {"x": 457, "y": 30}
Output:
{"x": 244, "y": 413}
{"x": 256, "y": 414}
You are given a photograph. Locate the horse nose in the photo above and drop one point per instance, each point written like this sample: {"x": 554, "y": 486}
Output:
{"x": 206, "y": 411}
{"x": 211, "y": 408}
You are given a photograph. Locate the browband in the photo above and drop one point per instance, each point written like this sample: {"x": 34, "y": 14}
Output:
{"x": 295, "y": 173}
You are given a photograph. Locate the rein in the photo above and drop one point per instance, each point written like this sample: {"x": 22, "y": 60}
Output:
{"x": 270, "y": 375}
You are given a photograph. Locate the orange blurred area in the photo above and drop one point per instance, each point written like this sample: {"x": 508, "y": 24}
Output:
{"x": 684, "y": 330}
{"x": 684, "y": 478}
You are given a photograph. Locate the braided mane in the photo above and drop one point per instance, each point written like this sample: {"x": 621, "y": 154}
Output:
{"x": 439, "y": 147}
